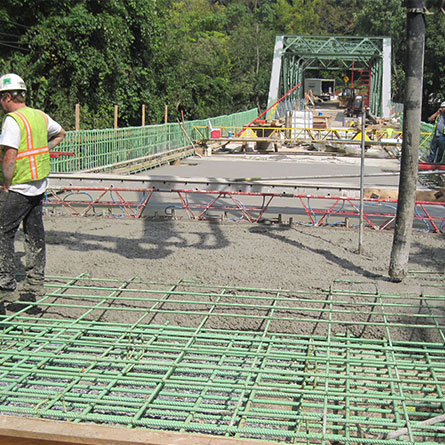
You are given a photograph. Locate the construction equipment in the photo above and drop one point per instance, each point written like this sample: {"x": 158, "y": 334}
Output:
{"x": 355, "y": 106}
{"x": 352, "y": 101}
{"x": 345, "y": 97}
{"x": 322, "y": 89}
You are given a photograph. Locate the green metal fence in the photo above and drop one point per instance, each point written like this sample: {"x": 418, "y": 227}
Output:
{"x": 426, "y": 135}
{"x": 97, "y": 148}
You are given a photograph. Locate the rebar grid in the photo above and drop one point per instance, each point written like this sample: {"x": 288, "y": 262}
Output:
{"x": 347, "y": 364}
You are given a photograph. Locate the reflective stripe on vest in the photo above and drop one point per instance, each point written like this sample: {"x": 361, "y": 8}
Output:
{"x": 435, "y": 125}
{"x": 33, "y": 160}
{"x": 30, "y": 152}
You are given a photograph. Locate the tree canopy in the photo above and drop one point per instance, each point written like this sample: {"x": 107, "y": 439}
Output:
{"x": 210, "y": 57}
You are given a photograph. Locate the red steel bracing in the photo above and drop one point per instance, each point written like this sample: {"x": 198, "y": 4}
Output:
{"x": 131, "y": 209}
{"x": 431, "y": 166}
{"x": 241, "y": 207}
{"x": 331, "y": 211}
{"x": 422, "y": 206}
{"x": 252, "y": 213}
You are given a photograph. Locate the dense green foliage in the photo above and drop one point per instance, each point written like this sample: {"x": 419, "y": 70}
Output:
{"x": 210, "y": 57}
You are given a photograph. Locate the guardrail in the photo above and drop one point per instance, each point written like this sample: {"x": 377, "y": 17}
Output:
{"x": 93, "y": 149}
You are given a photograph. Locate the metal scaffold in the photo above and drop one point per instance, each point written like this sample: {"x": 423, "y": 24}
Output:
{"x": 348, "y": 364}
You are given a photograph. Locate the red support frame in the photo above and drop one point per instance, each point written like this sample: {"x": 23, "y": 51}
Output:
{"x": 339, "y": 207}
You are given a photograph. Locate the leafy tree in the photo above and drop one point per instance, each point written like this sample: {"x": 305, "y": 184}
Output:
{"x": 434, "y": 70}
{"x": 252, "y": 40}
{"x": 297, "y": 16}
{"x": 386, "y": 18}
{"x": 221, "y": 55}
{"x": 212, "y": 56}
{"x": 336, "y": 17}
{"x": 198, "y": 58}
{"x": 96, "y": 53}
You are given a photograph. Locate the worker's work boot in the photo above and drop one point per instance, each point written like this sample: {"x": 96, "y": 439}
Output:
{"x": 27, "y": 302}
{"x": 2, "y": 316}
{"x": 9, "y": 296}
{"x": 28, "y": 293}
{"x": 33, "y": 286}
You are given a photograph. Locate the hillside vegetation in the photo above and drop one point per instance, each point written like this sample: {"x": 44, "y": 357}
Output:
{"x": 212, "y": 57}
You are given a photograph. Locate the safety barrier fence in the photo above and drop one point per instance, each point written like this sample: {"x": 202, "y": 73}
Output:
{"x": 347, "y": 364}
{"x": 292, "y": 136}
{"x": 252, "y": 207}
{"x": 97, "y": 148}
{"x": 94, "y": 149}
{"x": 426, "y": 136}
{"x": 386, "y": 138}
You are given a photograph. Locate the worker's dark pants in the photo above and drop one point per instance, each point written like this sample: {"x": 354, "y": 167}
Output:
{"x": 14, "y": 209}
{"x": 437, "y": 148}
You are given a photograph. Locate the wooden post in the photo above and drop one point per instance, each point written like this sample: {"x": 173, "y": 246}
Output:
{"x": 116, "y": 109}
{"x": 166, "y": 114}
{"x": 143, "y": 114}
{"x": 77, "y": 117}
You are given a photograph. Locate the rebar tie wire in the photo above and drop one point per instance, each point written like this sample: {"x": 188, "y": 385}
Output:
{"x": 345, "y": 364}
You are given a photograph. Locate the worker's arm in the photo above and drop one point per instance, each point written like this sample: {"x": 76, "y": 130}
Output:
{"x": 57, "y": 139}
{"x": 433, "y": 117}
{"x": 9, "y": 158}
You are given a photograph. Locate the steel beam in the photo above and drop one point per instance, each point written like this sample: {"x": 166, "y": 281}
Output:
{"x": 171, "y": 183}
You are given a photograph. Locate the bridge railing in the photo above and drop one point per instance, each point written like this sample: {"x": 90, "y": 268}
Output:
{"x": 97, "y": 148}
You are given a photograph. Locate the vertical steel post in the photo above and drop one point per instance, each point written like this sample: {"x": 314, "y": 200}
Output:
{"x": 415, "y": 22}
{"x": 362, "y": 174}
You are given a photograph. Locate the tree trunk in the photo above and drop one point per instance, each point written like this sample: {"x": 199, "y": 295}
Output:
{"x": 415, "y": 22}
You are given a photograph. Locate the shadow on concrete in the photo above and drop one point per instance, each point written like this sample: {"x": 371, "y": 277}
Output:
{"x": 154, "y": 244}
{"x": 278, "y": 233}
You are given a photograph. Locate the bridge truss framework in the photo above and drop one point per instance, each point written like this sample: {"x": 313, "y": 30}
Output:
{"x": 294, "y": 54}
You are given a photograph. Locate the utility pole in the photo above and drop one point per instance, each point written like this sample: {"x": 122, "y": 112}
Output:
{"x": 415, "y": 23}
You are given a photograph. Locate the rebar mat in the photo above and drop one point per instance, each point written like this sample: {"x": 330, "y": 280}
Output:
{"x": 347, "y": 365}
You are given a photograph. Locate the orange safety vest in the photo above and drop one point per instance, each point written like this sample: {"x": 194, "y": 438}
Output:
{"x": 33, "y": 160}
{"x": 435, "y": 125}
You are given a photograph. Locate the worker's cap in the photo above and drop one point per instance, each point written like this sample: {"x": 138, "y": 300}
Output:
{"x": 11, "y": 82}
{"x": 442, "y": 104}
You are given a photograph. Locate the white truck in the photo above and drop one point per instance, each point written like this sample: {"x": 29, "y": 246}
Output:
{"x": 324, "y": 89}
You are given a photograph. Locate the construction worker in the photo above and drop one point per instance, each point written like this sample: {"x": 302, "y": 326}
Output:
{"x": 26, "y": 138}
{"x": 438, "y": 141}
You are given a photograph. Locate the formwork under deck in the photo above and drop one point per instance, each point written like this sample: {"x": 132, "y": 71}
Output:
{"x": 345, "y": 365}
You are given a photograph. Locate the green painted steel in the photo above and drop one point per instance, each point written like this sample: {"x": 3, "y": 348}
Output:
{"x": 426, "y": 136}
{"x": 343, "y": 365}
{"x": 97, "y": 148}
{"x": 298, "y": 54}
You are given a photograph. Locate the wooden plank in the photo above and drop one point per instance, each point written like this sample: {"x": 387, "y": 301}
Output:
{"x": 29, "y": 431}
{"x": 392, "y": 194}
{"x": 252, "y": 139}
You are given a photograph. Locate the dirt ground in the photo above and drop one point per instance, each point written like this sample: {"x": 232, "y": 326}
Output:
{"x": 230, "y": 254}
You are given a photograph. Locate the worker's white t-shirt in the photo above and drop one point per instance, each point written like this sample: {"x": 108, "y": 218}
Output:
{"x": 10, "y": 137}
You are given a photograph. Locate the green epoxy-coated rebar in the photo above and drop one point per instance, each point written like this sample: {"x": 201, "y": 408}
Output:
{"x": 344, "y": 364}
